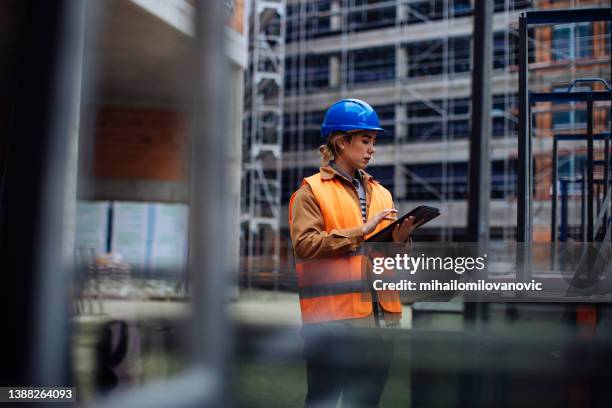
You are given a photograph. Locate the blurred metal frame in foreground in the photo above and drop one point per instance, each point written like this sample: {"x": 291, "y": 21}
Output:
{"x": 204, "y": 382}
{"x": 42, "y": 129}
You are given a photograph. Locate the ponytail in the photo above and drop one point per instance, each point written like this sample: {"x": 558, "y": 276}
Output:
{"x": 329, "y": 150}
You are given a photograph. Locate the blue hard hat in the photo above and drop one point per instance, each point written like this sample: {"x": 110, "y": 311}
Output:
{"x": 350, "y": 114}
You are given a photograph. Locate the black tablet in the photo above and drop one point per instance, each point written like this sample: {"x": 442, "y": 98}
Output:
{"x": 422, "y": 214}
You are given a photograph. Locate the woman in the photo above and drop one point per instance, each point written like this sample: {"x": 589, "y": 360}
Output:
{"x": 330, "y": 216}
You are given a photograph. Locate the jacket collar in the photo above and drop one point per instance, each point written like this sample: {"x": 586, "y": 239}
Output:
{"x": 328, "y": 172}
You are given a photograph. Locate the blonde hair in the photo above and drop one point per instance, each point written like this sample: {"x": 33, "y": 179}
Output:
{"x": 329, "y": 151}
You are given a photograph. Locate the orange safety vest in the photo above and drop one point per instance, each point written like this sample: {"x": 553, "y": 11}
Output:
{"x": 334, "y": 288}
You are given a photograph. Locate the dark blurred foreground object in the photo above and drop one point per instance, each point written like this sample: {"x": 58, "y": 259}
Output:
{"x": 528, "y": 364}
{"x": 40, "y": 71}
{"x": 111, "y": 350}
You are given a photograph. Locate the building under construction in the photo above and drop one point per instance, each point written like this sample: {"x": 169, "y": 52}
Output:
{"x": 412, "y": 60}
{"x": 137, "y": 261}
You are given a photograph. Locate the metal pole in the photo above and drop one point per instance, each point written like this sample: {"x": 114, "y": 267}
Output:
{"x": 563, "y": 233}
{"x": 51, "y": 355}
{"x": 597, "y": 195}
{"x": 524, "y": 158}
{"x": 606, "y": 179}
{"x": 44, "y": 107}
{"x": 209, "y": 265}
{"x": 590, "y": 234}
{"x": 479, "y": 186}
{"x": 523, "y": 231}
{"x": 555, "y": 170}
{"x": 480, "y": 164}
{"x": 583, "y": 194}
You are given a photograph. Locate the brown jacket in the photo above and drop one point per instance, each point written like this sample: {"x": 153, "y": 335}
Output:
{"x": 310, "y": 240}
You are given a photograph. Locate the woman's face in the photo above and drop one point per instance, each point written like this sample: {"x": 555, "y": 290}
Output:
{"x": 358, "y": 150}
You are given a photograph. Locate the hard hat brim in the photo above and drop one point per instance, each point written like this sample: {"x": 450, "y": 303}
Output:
{"x": 326, "y": 130}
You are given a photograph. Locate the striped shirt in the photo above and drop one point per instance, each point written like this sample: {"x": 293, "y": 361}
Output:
{"x": 379, "y": 315}
{"x": 356, "y": 181}
{"x": 362, "y": 198}
{"x": 377, "y": 311}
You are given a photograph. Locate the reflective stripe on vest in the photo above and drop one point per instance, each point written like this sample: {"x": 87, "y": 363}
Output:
{"x": 334, "y": 288}
{"x": 329, "y": 289}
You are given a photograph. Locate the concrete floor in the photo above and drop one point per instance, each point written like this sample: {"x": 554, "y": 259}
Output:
{"x": 155, "y": 350}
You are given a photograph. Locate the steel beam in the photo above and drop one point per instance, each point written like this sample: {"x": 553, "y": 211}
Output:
{"x": 580, "y": 136}
{"x": 555, "y": 170}
{"x": 606, "y": 181}
{"x": 590, "y": 211}
{"x": 560, "y": 97}
{"x": 568, "y": 16}
{"x": 480, "y": 165}
{"x": 564, "y": 213}
{"x": 524, "y": 143}
{"x": 583, "y": 205}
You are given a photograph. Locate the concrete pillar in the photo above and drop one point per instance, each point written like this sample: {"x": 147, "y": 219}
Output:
{"x": 336, "y": 15}
{"x": 401, "y": 62}
{"x": 399, "y": 178}
{"x": 334, "y": 70}
{"x": 401, "y": 125}
{"x": 402, "y": 11}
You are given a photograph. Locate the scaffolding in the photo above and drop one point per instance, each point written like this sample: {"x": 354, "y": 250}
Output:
{"x": 262, "y": 150}
{"x": 590, "y": 224}
{"x": 326, "y": 61}
{"x": 410, "y": 59}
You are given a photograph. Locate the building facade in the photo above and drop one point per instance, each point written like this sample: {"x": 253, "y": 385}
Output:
{"x": 412, "y": 61}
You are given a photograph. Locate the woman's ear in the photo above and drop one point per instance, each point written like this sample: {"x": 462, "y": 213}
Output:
{"x": 340, "y": 144}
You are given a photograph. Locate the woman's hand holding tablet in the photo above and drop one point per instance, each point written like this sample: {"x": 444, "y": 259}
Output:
{"x": 420, "y": 215}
